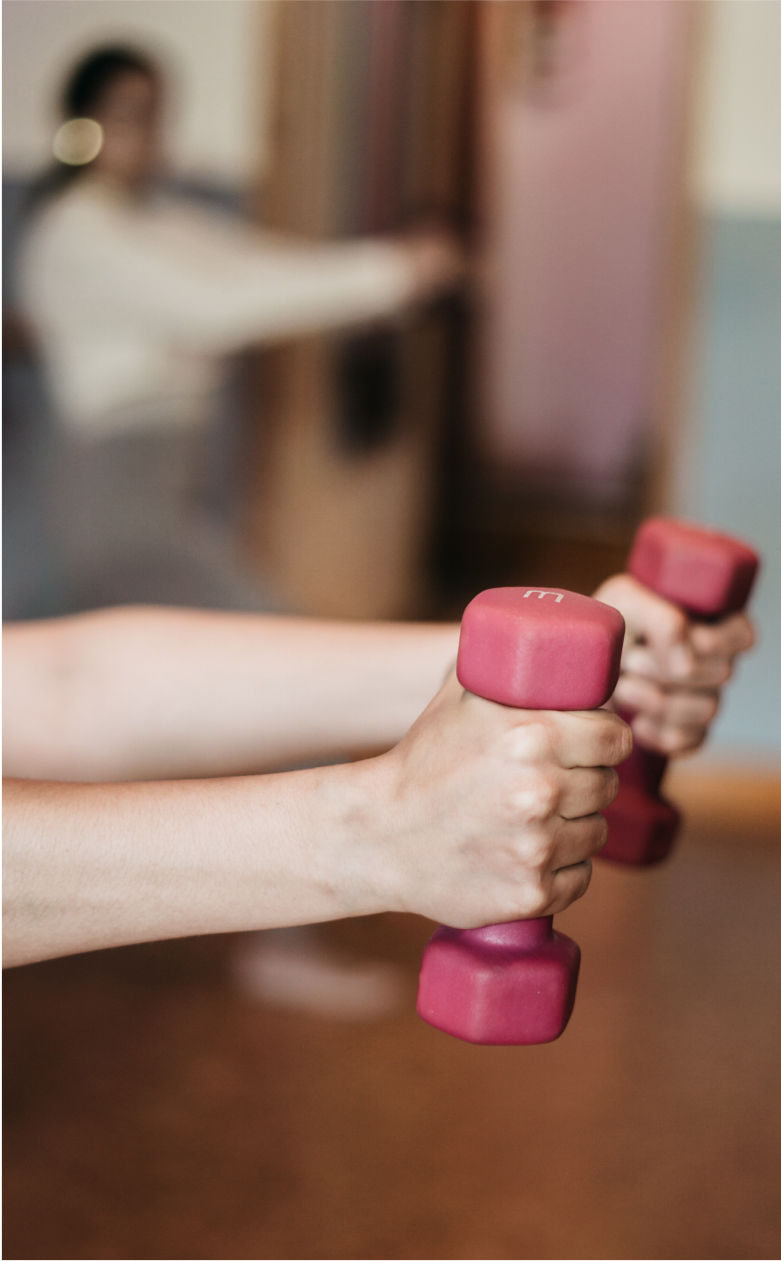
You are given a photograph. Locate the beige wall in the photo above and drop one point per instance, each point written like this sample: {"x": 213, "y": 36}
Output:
{"x": 217, "y": 47}
{"x": 214, "y": 48}
{"x": 738, "y": 167}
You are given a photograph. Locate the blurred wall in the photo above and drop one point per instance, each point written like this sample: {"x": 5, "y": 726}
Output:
{"x": 729, "y": 466}
{"x": 585, "y": 182}
{"x": 738, "y": 163}
{"x": 729, "y": 455}
{"x": 215, "y": 53}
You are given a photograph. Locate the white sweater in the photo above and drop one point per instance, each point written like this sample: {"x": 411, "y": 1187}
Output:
{"x": 135, "y": 302}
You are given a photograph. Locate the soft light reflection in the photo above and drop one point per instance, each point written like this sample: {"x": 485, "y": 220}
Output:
{"x": 78, "y": 141}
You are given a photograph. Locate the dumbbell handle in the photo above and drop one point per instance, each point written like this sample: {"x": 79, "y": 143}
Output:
{"x": 644, "y": 768}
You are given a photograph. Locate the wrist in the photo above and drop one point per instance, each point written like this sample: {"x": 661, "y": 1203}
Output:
{"x": 354, "y": 813}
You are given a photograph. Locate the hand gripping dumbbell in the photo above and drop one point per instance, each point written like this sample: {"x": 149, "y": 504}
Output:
{"x": 708, "y": 575}
{"x": 514, "y": 984}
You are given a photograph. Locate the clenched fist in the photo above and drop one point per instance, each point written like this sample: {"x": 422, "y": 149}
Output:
{"x": 487, "y": 813}
{"x": 672, "y": 668}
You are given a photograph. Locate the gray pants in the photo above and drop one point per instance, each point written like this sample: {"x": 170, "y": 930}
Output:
{"x": 131, "y": 526}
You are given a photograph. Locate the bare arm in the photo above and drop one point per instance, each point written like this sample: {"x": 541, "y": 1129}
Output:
{"x": 160, "y": 693}
{"x": 481, "y": 813}
{"x": 147, "y": 693}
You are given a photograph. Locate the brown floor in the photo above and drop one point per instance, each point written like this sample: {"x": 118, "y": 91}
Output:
{"x": 151, "y": 1114}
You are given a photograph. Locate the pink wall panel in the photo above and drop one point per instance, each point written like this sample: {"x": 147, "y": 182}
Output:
{"x": 585, "y": 167}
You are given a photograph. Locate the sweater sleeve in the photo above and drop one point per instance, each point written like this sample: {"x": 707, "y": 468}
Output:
{"x": 278, "y": 291}
{"x": 198, "y": 286}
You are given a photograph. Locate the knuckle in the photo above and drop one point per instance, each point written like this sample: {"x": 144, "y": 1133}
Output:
{"x": 529, "y": 742}
{"x": 535, "y": 854}
{"x": 573, "y": 886}
{"x": 527, "y": 899}
{"x": 537, "y": 898}
{"x": 540, "y": 800}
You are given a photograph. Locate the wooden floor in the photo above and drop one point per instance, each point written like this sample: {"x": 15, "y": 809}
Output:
{"x": 151, "y": 1114}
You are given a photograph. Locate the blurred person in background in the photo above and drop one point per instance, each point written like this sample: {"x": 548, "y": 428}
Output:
{"x": 135, "y": 299}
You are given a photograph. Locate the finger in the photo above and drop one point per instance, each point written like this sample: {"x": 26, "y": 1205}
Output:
{"x": 555, "y": 894}
{"x": 690, "y": 709}
{"x": 537, "y": 859}
{"x": 586, "y": 791}
{"x": 727, "y": 638}
{"x": 701, "y": 672}
{"x": 672, "y": 740}
{"x": 569, "y": 884}
{"x": 639, "y": 659}
{"x": 594, "y": 737}
{"x": 672, "y": 705}
{"x": 576, "y": 840}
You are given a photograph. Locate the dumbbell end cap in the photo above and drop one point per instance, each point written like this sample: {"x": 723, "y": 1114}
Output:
{"x": 707, "y": 573}
{"x": 505, "y": 985}
{"x": 536, "y": 648}
{"x": 642, "y": 829}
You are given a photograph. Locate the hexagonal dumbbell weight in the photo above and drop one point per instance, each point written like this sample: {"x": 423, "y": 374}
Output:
{"x": 514, "y": 984}
{"x": 708, "y": 575}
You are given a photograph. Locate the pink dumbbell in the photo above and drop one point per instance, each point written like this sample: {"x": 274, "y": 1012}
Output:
{"x": 514, "y": 984}
{"x": 708, "y": 575}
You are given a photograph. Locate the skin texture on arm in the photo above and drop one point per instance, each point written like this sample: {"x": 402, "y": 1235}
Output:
{"x": 481, "y": 813}
{"x": 160, "y": 693}
{"x": 150, "y": 693}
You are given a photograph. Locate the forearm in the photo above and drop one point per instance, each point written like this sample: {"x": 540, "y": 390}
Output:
{"x": 281, "y": 288}
{"x": 87, "y": 866}
{"x": 245, "y": 291}
{"x": 297, "y": 290}
{"x": 162, "y": 693}
{"x": 480, "y": 813}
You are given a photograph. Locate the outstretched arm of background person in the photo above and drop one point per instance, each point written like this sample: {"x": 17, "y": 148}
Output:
{"x": 278, "y": 288}
{"x": 190, "y": 283}
{"x": 480, "y": 813}
{"x": 672, "y": 669}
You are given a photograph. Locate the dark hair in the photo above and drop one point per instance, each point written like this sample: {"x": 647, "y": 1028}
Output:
{"x": 85, "y": 86}
{"x": 96, "y": 73}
